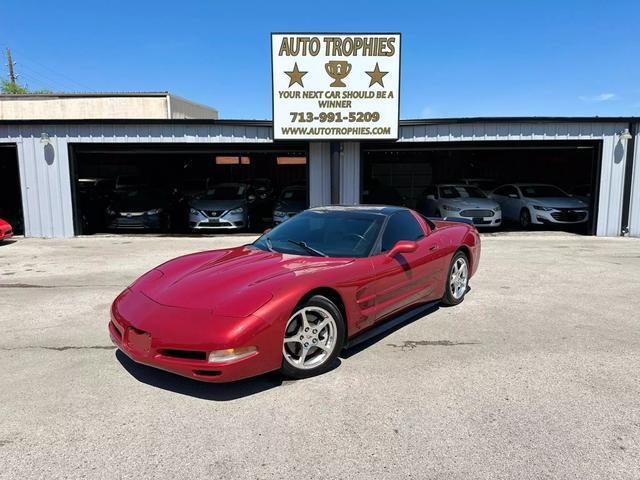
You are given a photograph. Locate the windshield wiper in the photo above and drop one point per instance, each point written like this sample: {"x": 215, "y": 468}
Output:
{"x": 267, "y": 240}
{"x": 307, "y": 248}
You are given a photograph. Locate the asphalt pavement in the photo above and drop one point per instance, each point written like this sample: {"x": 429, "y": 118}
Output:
{"x": 535, "y": 375}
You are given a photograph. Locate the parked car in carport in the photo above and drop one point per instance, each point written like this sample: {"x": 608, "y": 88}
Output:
{"x": 539, "y": 204}
{"x": 224, "y": 206}
{"x": 466, "y": 201}
{"x": 292, "y": 200}
{"x": 139, "y": 209}
{"x": 6, "y": 231}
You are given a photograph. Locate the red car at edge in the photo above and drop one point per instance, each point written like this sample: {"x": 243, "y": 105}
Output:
{"x": 6, "y": 232}
{"x": 294, "y": 298}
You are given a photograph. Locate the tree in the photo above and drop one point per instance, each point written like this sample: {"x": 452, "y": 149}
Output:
{"x": 11, "y": 88}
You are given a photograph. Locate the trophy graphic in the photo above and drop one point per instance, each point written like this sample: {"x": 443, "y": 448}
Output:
{"x": 338, "y": 70}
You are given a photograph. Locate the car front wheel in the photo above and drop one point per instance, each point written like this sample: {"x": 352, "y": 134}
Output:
{"x": 457, "y": 280}
{"x": 313, "y": 338}
{"x": 525, "y": 218}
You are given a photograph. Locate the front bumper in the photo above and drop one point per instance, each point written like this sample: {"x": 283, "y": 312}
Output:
{"x": 480, "y": 219}
{"x": 135, "y": 222}
{"x": 564, "y": 216}
{"x": 226, "y": 221}
{"x": 178, "y": 340}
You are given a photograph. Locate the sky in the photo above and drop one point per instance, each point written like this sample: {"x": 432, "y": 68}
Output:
{"x": 459, "y": 59}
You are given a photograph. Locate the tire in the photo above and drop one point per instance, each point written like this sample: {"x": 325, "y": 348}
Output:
{"x": 456, "y": 286}
{"x": 525, "y": 218}
{"x": 303, "y": 342}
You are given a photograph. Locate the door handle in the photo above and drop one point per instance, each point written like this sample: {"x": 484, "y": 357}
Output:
{"x": 433, "y": 247}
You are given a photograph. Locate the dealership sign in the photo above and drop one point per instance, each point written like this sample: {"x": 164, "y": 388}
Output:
{"x": 335, "y": 86}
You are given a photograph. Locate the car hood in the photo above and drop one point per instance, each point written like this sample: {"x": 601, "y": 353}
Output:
{"x": 560, "y": 202}
{"x": 463, "y": 203}
{"x": 232, "y": 282}
{"x": 204, "y": 204}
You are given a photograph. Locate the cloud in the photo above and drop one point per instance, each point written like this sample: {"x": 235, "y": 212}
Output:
{"x": 427, "y": 112}
{"x": 602, "y": 97}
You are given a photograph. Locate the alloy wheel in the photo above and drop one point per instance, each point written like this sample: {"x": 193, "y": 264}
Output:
{"x": 459, "y": 278}
{"x": 310, "y": 338}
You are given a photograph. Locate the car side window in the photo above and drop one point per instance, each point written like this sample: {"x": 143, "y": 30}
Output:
{"x": 504, "y": 191}
{"x": 401, "y": 226}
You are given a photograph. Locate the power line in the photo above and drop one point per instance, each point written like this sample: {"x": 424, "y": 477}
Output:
{"x": 68, "y": 80}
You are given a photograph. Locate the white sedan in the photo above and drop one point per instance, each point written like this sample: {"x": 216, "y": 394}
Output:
{"x": 450, "y": 200}
{"x": 538, "y": 204}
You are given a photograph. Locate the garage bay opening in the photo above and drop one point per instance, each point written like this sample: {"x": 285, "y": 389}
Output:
{"x": 497, "y": 185}
{"x": 10, "y": 193}
{"x": 187, "y": 188}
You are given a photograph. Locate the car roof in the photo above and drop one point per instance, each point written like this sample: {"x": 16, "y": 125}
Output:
{"x": 380, "y": 209}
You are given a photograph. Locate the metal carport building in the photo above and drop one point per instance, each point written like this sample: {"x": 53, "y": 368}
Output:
{"x": 44, "y": 151}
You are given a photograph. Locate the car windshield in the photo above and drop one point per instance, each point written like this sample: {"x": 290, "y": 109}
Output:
{"x": 333, "y": 233}
{"x": 226, "y": 191}
{"x": 296, "y": 195}
{"x": 460, "y": 191}
{"x": 541, "y": 191}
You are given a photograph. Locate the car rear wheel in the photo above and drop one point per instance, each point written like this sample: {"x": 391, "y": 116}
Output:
{"x": 313, "y": 338}
{"x": 457, "y": 280}
{"x": 525, "y": 218}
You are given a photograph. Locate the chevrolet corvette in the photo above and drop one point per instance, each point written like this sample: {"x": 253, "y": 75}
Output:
{"x": 295, "y": 297}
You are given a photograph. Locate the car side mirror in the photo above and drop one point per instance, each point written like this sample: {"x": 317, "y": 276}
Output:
{"x": 251, "y": 198}
{"x": 402, "y": 246}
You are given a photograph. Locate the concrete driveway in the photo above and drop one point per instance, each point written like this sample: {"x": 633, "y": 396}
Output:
{"x": 535, "y": 375}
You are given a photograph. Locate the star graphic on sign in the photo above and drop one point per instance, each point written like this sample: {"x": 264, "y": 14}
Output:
{"x": 296, "y": 75}
{"x": 376, "y": 76}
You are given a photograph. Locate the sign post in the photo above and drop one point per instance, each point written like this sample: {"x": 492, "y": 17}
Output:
{"x": 335, "y": 86}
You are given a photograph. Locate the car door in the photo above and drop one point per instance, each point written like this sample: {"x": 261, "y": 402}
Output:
{"x": 408, "y": 278}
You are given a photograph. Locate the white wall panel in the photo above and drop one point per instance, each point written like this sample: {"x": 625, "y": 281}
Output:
{"x": 319, "y": 174}
{"x": 350, "y": 174}
{"x": 634, "y": 207}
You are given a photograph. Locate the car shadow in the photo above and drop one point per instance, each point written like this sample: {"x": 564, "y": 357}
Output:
{"x": 420, "y": 312}
{"x": 220, "y": 392}
{"x": 4, "y": 243}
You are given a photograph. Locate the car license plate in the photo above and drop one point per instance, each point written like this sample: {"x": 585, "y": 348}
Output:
{"x": 137, "y": 340}
{"x": 214, "y": 220}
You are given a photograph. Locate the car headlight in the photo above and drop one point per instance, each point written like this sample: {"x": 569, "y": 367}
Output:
{"x": 497, "y": 209}
{"x": 153, "y": 211}
{"x": 111, "y": 211}
{"x": 193, "y": 211}
{"x": 237, "y": 210}
{"x": 544, "y": 209}
{"x": 278, "y": 213}
{"x": 449, "y": 207}
{"x": 221, "y": 356}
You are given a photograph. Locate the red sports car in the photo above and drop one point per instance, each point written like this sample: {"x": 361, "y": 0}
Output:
{"x": 6, "y": 232}
{"x": 291, "y": 300}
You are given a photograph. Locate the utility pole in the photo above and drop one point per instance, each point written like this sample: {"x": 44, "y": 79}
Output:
{"x": 12, "y": 75}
